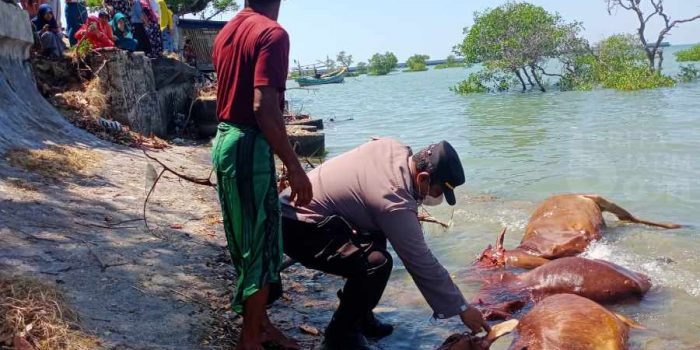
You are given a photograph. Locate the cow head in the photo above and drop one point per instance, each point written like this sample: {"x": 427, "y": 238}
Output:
{"x": 494, "y": 256}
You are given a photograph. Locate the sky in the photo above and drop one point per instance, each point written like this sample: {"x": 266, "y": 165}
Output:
{"x": 363, "y": 27}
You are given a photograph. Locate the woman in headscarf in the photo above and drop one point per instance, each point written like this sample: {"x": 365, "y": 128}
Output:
{"x": 76, "y": 15}
{"x": 50, "y": 36}
{"x": 152, "y": 24}
{"x": 95, "y": 33}
{"x": 121, "y": 28}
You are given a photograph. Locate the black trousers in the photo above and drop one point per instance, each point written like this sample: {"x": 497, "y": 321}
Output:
{"x": 367, "y": 271}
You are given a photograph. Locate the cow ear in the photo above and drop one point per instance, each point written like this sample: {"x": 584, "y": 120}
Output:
{"x": 500, "y": 330}
{"x": 629, "y": 322}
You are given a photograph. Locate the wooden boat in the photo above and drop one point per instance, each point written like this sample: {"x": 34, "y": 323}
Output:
{"x": 335, "y": 77}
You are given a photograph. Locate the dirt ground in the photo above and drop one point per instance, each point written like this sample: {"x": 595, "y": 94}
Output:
{"x": 164, "y": 288}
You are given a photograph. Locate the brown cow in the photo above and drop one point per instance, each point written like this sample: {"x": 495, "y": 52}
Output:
{"x": 598, "y": 280}
{"x": 470, "y": 342}
{"x": 572, "y": 322}
{"x": 563, "y": 225}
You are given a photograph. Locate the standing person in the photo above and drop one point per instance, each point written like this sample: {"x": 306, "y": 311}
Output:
{"x": 362, "y": 198}
{"x": 48, "y": 33}
{"x": 152, "y": 25}
{"x": 123, "y": 6}
{"x": 251, "y": 58}
{"x": 76, "y": 15}
{"x": 166, "y": 26}
{"x": 138, "y": 28}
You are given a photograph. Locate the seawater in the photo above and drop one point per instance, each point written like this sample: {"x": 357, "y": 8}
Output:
{"x": 640, "y": 149}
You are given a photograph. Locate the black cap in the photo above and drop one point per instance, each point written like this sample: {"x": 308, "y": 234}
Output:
{"x": 444, "y": 167}
{"x": 103, "y": 13}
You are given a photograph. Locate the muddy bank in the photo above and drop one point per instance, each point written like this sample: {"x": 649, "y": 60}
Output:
{"x": 134, "y": 288}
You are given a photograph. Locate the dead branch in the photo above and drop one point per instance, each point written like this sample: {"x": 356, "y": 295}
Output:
{"x": 198, "y": 181}
{"x": 145, "y": 202}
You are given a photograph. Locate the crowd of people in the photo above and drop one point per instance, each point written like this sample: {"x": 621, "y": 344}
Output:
{"x": 133, "y": 25}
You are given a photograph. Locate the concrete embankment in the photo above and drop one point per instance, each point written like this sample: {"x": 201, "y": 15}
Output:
{"x": 26, "y": 118}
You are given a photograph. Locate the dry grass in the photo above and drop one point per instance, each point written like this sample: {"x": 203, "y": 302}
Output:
{"x": 56, "y": 162}
{"x": 37, "y": 311}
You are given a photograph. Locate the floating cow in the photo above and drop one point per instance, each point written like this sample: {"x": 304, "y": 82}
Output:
{"x": 572, "y": 322}
{"x": 602, "y": 281}
{"x": 563, "y": 225}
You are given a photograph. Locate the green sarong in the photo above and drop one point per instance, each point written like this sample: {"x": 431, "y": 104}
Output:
{"x": 245, "y": 170}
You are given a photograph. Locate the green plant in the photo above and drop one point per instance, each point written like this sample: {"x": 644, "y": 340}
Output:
{"x": 486, "y": 80}
{"x": 688, "y": 73}
{"x": 450, "y": 62}
{"x": 361, "y": 68}
{"x": 517, "y": 38}
{"x": 473, "y": 84}
{"x": 417, "y": 63}
{"x": 81, "y": 50}
{"x": 691, "y": 54}
{"x": 382, "y": 64}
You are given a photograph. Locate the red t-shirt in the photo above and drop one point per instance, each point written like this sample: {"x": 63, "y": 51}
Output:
{"x": 250, "y": 51}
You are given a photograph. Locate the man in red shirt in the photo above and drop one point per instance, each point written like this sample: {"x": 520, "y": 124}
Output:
{"x": 251, "y": 58}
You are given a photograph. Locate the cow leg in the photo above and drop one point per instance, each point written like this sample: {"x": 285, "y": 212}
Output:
{"x": 623, "y": 214}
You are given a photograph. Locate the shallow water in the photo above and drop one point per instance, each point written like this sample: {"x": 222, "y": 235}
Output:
{"x": 639, "y": 149}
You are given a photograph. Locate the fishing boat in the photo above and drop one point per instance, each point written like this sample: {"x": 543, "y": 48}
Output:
{"x": 335, "y": 77}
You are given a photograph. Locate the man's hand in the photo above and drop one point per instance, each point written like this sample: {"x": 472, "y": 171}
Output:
{"x": 472, "y": 318}
{"x": 302, "y": 192}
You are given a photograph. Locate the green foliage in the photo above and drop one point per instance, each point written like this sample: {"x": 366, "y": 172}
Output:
{"x": 471, "y": 85}
{"x": 618, "y": 62}
{"x": 450, "y": 62}
{"x": 513, "y": 35}
{"x": 688, "y": 73}
{"x": 417, "y": 63}
{"x": 344, "y": 59}
{"x": 93, "y": 4}
{"x": 486, "y": 80}
{"x": 83, "y": 49}
{"x": 691, "y": 54}
{"x": 361, "y": 68}
{"x": 382, "y": 64}
{"x": 516, "y": 38}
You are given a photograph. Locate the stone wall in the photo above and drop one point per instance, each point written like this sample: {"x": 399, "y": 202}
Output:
{"x": 26, "y": 118}
{"x": 142, "y": 93}
{"x": 126, "y": 79}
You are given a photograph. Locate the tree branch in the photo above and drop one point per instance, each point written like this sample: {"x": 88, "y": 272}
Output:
{"x": 198, "y": 181}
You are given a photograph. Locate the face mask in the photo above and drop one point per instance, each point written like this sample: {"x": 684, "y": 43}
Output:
{"x": 432, "y": 201}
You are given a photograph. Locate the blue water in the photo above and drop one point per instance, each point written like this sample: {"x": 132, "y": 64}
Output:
{"x": 640, "y": 149}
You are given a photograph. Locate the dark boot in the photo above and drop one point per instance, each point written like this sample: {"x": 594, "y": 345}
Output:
{"x": 372, "y": 327}
{"x": 341, "y": 337}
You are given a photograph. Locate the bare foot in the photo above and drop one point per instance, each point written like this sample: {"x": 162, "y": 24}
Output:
{"x": 270, "y": 334}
